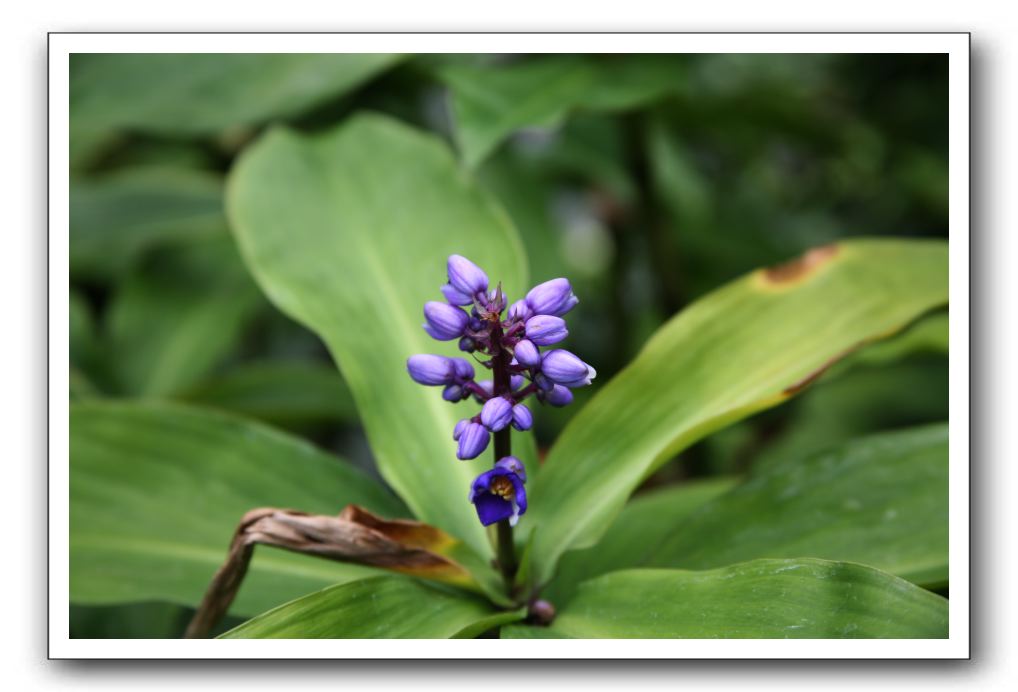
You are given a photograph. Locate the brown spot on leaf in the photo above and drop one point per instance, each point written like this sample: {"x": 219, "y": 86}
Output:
{"x": 801, "y": 267}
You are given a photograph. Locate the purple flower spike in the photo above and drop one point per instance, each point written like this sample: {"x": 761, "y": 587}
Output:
{"x": 522, "y": 418}
{"x": 545, "y": 330}
{"x": 513, "y": 465}
{"x": 465, "y": 276}
{"x": 562, "y": 367}
{"x": 473, "y": 440}
{"x": 430, "y": 369}
{"x": 553, "y": 297}
{"x": 498, "y": 494}
{"x": 496, "y": 413}
{"x": 455, "y": 297}
{"x": 444, "y": 322}
{"x": 460, "y": 427}
{"x": 558, "y": 396}
{"x": 527, "y": 354}
{"x": 520, "y": 311}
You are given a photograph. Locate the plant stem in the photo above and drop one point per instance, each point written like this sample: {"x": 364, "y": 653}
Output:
{"x": 503, "y": 448}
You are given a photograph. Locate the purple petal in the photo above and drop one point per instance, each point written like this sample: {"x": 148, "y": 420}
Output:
{"x": 465, "y": 276}
{"x": 545, "y": 330}
{"x": 453, "y": 393}
{"x": 444, "y": 322}
{"x": 462, "y": 368}
{"x": 492, "y": 509}
{"x": 512, "y": 465}
{"x": 460, "y": 426}
{"x": 553, "y": 297}
{"x": 496, "y": 413}
{"x": 559, "y": 396}
{"x": 522, "y": 418}
{"x": 516, "y": 382}
{"x": 430, "y": 369}
{"x": 519, "y": 311}
{"x": 456, "y": 297}
{"x": 527, "y": 354}
{"x": 473, "y": 440}
{"x": 563, "y": 367}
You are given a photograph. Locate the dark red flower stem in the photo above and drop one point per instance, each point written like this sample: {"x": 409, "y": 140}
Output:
{"x": 501, "y": 358}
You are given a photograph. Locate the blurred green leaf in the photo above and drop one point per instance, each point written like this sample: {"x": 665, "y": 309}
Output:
{"x": 287, "y": 393}
{"x": 880, "y": 501}
{"x": 377, "y": 608}
{"x": 157, "y": 491}
{"x": 193, "y": 94}
{"x": 491, "y": 102}
{"x": 929, "y": 335}
{"x": 647, "y": 521}
{"x": 763, "y": 599}
{"x": 177, "y": 316}
{"x": 116, "y": 218}
{"x": 348, "y": 237}
{"x": 748, "y": 346}
{"x": 149, "y": 620}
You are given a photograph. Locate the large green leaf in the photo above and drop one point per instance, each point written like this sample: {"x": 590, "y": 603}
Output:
{"x": 204, "y": 93}
{"x": 377, "y": 608}
{"x": 647, "y": 521}
{"x": 746, "y": 347}
{"x": 880, "y": 501}
{"x": 116, "y": 218}
{"x": 491, "y": 102}
{"x": 763, "y": 599}
{"x": 283, "y": 392}
{"x": 158, "y": 489}
{"x": 348, "y": 232}
{"x": 178, "y": 315}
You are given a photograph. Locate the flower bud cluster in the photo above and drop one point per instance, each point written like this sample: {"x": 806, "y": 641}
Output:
{"x": 508, "y": 340}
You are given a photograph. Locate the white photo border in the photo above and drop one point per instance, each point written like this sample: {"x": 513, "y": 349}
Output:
{"x": 955, "y": 45}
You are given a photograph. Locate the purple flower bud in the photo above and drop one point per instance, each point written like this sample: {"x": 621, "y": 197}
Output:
{"x": 519, "y": 311}
{"x": 512, "y": 465}
{"x": 562, "y": 367}
{"x": 488, "y": 386}
{"x": 460, "y": 427}
{"x": 444, "y": 322}
{"x": 545, "y": 330}
{"x": 498, "y": 494}
{"x": 467, "y": 345}
{"x": 496, "y": 413}
{"x": 465, "y": 276}
{"x": 543, "y": 383}
{"x": 462, "y": 369}
{"x": 516, "y": 382}
{"x": 527, "y": 354}
{"x": 522, "y": 418}
{"x": 430, "y": 369}
{"x": 453, "y": 393}
{"x": 559, "y": 396}
{"x": 553, "y": 297}
{"x": 473, "y": 440}
{"x": 475, "y": 324}
{"x": 455, "y": 297}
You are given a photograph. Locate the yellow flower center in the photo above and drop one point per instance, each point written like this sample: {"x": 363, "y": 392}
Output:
{"x": 502, "y": 487}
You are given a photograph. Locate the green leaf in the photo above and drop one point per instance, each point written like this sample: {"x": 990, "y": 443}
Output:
{"x": 284, "y": 392}
{"x": 647, "y": 520}
{"x": 177, "y": 316}
{"x": 158, "y": 489}
{"x": 491, "y": 102}
{"x": 377, "y": 608}
{"x": 748, "y": 346}
{"x": 880, "y": 501}
{"x": 205, "y": 93}
{"x": 348, "y": 232}
{"x": 116, "y": 218}
{"x": 763, "y": 599}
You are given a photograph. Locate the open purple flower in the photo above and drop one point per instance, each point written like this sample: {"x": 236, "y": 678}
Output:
{"x": 498, "y": 494}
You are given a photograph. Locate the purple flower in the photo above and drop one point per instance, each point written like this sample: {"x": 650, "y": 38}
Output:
{"x": 460, "y": 427}
{"x": 444, "y": 322}
{"x": 557, "y": 396}
{"x": 519, "y": 311}
{"x": 527, "y": 354}
{"x": 513, "y": 465}
{"x": 553, "y": 297}
{"x": 522, "y": 418}
{"x": 465, "y": 276}
{"x": 473, "y": 440}
{"x": 496, "y": 413}
{"x": 562, "y": 367}
{"x": 455, "y": 297}
{"x": 463, "y": 369}
{"x": 430, "y": 369}
{"x": 498, "y": 494}
{"x": 453, "y": 393}
{"x": 545, "y": 330}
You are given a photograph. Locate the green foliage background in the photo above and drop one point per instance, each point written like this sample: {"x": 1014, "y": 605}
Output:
{"x": 648, "y": 180}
